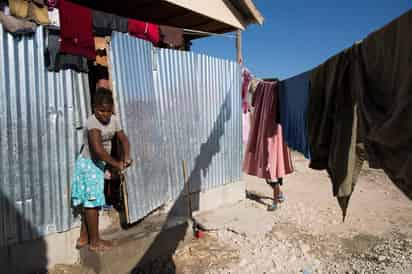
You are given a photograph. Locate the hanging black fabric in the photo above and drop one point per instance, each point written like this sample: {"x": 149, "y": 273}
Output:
{"x": 105, "y": 23}
{"x": 382, "y": 79}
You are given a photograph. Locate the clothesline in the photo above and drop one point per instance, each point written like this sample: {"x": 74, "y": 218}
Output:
{"x": 202, "y": 33}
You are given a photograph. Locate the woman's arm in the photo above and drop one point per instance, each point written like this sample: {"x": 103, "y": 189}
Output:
{"x": 98, "y": 151}
{"x": 125, "y": 146}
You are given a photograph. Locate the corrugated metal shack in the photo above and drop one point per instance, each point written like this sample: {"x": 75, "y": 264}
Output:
{"x": 173, "y": 105}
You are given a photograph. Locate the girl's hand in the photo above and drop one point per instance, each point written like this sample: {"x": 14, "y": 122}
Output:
{"x": 127, "y": 163}
{"x": 119, "y": 165}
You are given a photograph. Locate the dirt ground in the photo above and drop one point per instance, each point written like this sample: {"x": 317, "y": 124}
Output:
{"x": 306, "y": 235}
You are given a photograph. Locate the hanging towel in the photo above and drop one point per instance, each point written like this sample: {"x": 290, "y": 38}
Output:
{"x": 266, "y": 155}
{"x": 171, "y": 37}
{"x": 293, "y": 104}
{"x": 144, "y": 30}
{"x": 76, "y": 30}
{"x": 105, "y": 23}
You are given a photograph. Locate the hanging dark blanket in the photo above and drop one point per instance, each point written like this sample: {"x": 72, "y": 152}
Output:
{"x": 330, "y": 117}
{"x": 382, "y": 78}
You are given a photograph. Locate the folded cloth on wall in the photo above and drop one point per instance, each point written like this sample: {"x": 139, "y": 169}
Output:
{"x": 144, "y": 30}
{"x": 56, "y": 61}
{"x": 293, "y": 104}
{"x": 19, "y": 8}
{"x": 17, "y": 26}
{"x": 105, "y": 23}
{"x": 383, "y": 83}
{"x": 77, "y": 35}
{"x": 266, "y": 155}
{"x": 32, "y": 10}
{"x": 38, "y": 13}
{"x": 171, "y": 37}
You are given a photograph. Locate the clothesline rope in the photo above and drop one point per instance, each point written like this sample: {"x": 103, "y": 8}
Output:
{"x": 201, "y": 33}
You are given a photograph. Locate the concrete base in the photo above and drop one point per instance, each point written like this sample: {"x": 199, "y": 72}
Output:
{"x": 158, "y": 235}
{"x": 224, "y": 195}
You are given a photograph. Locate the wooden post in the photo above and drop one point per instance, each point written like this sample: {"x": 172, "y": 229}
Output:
{"x": 239, "y": 56}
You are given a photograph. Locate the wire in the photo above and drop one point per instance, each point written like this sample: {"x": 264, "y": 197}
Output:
{"x": 201, "y": 33}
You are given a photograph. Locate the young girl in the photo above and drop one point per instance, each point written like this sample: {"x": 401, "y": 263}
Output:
{"x": 88, "y": 180}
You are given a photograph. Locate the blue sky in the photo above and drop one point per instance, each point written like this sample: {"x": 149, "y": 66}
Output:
{"x": 296, "y": 37}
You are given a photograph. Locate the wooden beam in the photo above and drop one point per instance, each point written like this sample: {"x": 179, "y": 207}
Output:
{"x": 239, "y": 56}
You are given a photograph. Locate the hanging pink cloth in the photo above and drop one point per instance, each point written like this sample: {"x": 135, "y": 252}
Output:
{"x": 245, "y": 85}
{"x": 266, "y": 155}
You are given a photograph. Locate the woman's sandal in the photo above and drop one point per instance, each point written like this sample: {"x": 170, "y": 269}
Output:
{"x": 281, "y": 197}
{"x": 273, "y": 207}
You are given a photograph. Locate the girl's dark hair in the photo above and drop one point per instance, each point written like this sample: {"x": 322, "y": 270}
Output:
{"x": 103, "y": 96}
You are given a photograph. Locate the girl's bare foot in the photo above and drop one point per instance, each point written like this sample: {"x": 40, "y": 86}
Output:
{"x": 101, "y": 246}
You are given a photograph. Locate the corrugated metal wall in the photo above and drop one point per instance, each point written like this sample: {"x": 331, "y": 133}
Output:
{"x": 191, "y": 111}
{"x": 138, "y": 109}
{"x": 39, "y": 113}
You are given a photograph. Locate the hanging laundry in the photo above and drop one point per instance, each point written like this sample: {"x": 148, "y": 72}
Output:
{"x": 35, "y": 11}
{"x": 54, "y": 18}
{"x": 17, "y": 26}
{"x": 105, "y": 23}
{"x": 330, "y": 107}
{"x": 171, "y": 37}
{"x": 56, "y": 61}
{"x": 266, "y": 155}
{"x": 247, "y": 77}
{"x": 38, "y": 13}
{"x": 101, "y": 51}
{"x": 52, "y": 4}
{"x": 144, "y": 30}
{"x": 19, "y": 8}
{"x": 383, "y": 82}
{"x": 293, "y": 104}
{"x": 77, "y": 35}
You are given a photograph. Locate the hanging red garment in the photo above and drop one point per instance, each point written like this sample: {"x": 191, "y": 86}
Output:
{"x": 76, "y": 30}
{"x": 266, "y": 155}
{"x": 143, "y": 30}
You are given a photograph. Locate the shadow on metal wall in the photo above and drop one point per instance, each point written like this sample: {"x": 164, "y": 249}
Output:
{"x": 159, "y": 256}
{"x": 25, "y": 257}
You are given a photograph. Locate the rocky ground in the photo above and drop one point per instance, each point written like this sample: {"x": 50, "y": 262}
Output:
{"x": 306, "y": 235}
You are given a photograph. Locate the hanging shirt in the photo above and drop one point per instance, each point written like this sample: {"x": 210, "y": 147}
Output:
{"x": 105, "y": 23}
{"x": 293, "y": 104}
{"x": 144, "y": 30}
{"x": 56, "y": 61}
{"x": 54, "y": 18}
{"x": 76, "y": 30}
{"x": 266, "y": 155}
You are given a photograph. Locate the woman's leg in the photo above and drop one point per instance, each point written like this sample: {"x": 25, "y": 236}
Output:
{"x": 92, "y": 217}
{"x": 84, "y": 237}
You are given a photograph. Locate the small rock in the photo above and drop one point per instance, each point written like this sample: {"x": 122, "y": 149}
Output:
{"x": 381, "y": 258}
